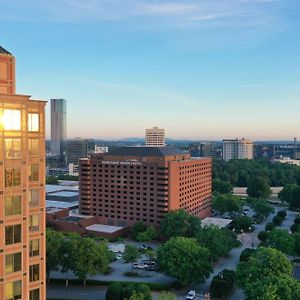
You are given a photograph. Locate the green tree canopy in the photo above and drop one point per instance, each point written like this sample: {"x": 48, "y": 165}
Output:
{"x": 222, "y": 187}
{"x": 258, "y": 187}
{"x": 282, "y": 240}
{"x": 114, "y": 292}
{"x": 262, "y": 207}
{"x": 183, "y": 259}
{"x": 226, "y": 203}
{"x": 179, "y": 223}
{"x": 131, "y": 253}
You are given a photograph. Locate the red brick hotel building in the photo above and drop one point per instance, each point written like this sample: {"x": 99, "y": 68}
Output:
{"x": 133, "y": 184}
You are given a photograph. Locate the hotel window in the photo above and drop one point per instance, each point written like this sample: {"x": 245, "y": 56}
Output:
{"x": 11, "y": 119}
{"x": 12, "y": 177}
{"x": 34, "y": 172}
{"x": 13, "y": 234}
{"x": 34, "y": 294}
{"x": 12, "y": 205}
{"x": 33, "y": 223}
{"x": 13, "y": 262}
{"x": 34, "y": 198}
{"x": 33, "y": 122}
{"x": 12, "y": 148}
{"x": 34, "y": 272}
{"x": 33, "y": 147}
{"x": 34, "y": 248}
{"x": 13, "y": 290}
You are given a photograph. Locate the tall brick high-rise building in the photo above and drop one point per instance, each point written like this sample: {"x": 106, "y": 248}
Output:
{"x": 130, "y": 184}
{"x": 22, "y": 194}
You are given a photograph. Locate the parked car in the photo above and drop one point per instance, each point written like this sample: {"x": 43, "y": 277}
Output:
{"x": 119, "y": 256}
{"x": 139, "y": 266}
{"x": 191, "y": 295}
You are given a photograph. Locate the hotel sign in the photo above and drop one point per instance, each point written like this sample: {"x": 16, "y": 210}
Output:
{"x": 126, "y": 163}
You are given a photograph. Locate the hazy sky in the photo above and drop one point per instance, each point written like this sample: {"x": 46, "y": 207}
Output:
{"x": 203, "y": 69}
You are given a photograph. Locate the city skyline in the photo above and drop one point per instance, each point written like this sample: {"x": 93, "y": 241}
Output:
{"x": 199, "y": 70}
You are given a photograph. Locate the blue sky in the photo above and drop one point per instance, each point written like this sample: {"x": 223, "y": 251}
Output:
{"x": 201, "y": 69}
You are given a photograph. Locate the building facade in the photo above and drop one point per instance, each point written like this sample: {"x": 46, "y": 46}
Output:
{"x": 58, "y": 127}
{"x": 237, "y": 149}
{"x": 155, "y": 137}
{"x": 133, "y": 184}
{"x": 22, "y": 196}
{"x": 76, "y": 149}
{"x": 7, "y": 72}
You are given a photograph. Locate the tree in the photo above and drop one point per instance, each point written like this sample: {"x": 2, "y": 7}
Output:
{"x": 246, "y": 254}
{"x": 179, "y": 223}
{"x": 137, "y": 228}
{"x": 218, "y": 241}
{"x": 227, "y": 203}
{"x": 146, "y": 236}
{"x": 263, "y": 236}
{"x": 222, "y": 284}
{"x": 282, "y": 214}
{"x": 114, "y": 292}
{"x": 131, "y": 253}
{"x": 51, "y": 180}
{"x": 282, "y": 240}
{"x": 54, "y": 241}
{"x": 297, "y": 242}
{"x": 242, "y": 223}
{"x": 262, "y": 207}
{"x": 144, "y": 290}
{"x": 270, "y": 226}
{"x": 166, "y": 296}
{"x": 258, "y": 187}
{"x": 277, "y": 220}
{"x": 183, "y": 259}
{"x": 261, "y": 264}
{"x": 137, "y": 296}
{"x": 222, "y": 187}
{"x": 291, "y": 194}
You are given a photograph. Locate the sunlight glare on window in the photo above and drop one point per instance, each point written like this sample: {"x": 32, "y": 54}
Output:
{"x": 11, "y": 119}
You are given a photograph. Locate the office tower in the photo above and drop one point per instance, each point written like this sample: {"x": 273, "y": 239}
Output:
{"x": 237, "y": 149}
{"x": 203, "y": 149}
{"x": 155, "y": 137}
{"x": 58, "y": 127}
{"x": 76, "y": 149}
{"x": 7, "y": 72}
{"x": 133, "y": 184}
{"x": 22, "y": 194}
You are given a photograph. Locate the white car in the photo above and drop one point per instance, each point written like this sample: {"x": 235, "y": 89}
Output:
{"x": 191, "y": 295}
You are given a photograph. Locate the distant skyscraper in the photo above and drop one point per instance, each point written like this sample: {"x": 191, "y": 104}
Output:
{"x": 237, "y": 149}
{"x": 22, "y": 190}
{"x": 76, "y": 149}
{"x": 155, "y": 137}
{"x": 58, "y": 127}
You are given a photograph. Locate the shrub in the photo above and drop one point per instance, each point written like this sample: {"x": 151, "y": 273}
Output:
{"x": 222, "y": 284}
{"x": 132, "y": 274}
{"x": 295, "y": 228}
{"x": 263, "y": 236}
{"x": 270, "y": 226}
{"x": 282, "y": 214}
{"x": 245, "y": 255}
{"x": 114, "y": 292}
{"x": 277, "y": 220}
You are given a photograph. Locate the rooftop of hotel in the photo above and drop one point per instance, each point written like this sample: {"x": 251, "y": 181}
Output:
{"x": 146, "y": 151}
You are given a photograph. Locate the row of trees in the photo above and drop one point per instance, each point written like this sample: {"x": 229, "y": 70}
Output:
{"x": 240, "y": 172}
{"x": 70, "y": 252}
{"x": 265, "y": 274}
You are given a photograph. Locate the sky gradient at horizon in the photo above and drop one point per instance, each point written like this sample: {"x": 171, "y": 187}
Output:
{"x": 201, "y": 69}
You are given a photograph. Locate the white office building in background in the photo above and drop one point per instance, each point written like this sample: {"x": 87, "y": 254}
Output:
{"x": 237, "y": 149}
{"x": 155, "y": 137}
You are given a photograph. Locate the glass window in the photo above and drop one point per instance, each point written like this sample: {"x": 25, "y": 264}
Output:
{"x": 12, "y": 177}
{"x": 12, "y": 205}
{"x": 13, "y": 290}
{"x": 12, "y": 148}
{"x": 34, "y": 294}
{"x": 13, "y": 262}
{"x": 33, "y": 222}
{"x": 34, "y": 172}
{"x": 34, "y": 248}
{"x": 34, "y": 198}
{"x": 13, "y": 234}
{"x": 11, "y": 119}
{"x": 34, "y": 272}
{"x": 33, "y": 122}
{"x": 33, "y": 147}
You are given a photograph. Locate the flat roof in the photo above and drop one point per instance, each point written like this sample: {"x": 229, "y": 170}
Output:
{"x": 103, "y": 228}
{"x": 242, "y": 191}
{"x": 221, "y": 223}
{"x": 55, "y": 188}
{"x": 61, "y": 204}
{"x": 64, "y": 194}
{"x": 72, "y": 219}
